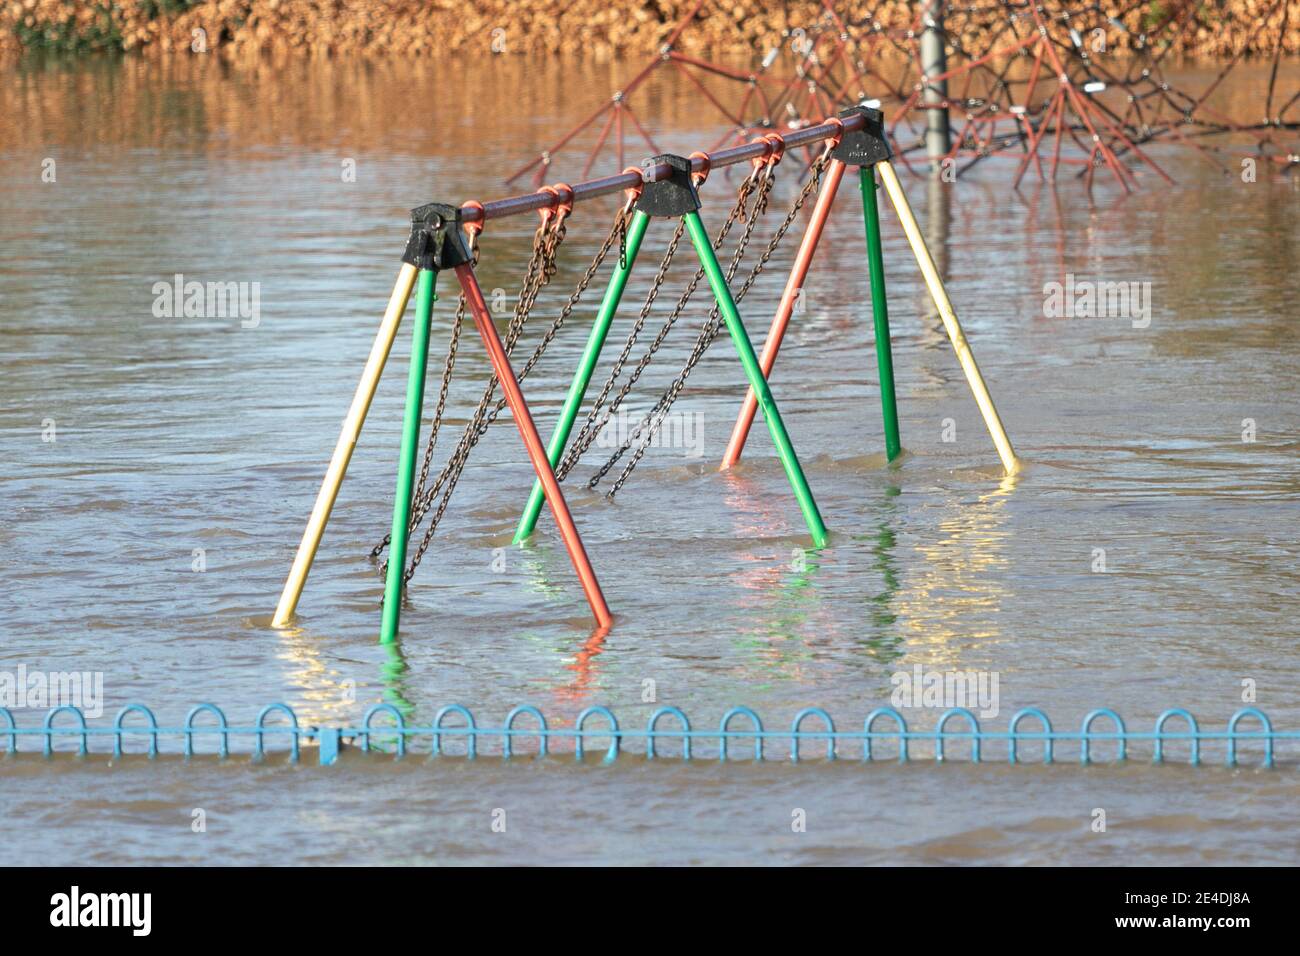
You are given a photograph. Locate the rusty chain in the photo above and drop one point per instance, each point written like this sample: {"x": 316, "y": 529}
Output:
{"x": 543, "y": 251}
{"x": 750, "y": 218}
{"x": 645, "y": 431}
{"x": 600, "y": 414}
{"x": 483, "y": 417}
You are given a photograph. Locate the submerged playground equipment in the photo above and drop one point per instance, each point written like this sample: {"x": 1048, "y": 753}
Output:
{"x": 445, "y": 238}
{"x": 1026, "y": 80}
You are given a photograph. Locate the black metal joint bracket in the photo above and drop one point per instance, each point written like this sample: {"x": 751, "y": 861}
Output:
{"x": 865, "y": 146}
{"x": 671, "y": 197}
{"x": 436, "y": 241}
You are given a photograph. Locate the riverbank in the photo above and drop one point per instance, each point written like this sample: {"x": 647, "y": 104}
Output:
{"x": 593, "y": 27}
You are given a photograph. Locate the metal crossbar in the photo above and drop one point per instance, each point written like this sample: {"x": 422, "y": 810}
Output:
{"x": 394, "y": 736}
{"x": 650, "y": 173}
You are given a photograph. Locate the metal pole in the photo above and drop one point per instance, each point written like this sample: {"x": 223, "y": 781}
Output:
{"x": 949, "y": 317}
{"x": 586, "y": 367}
{"x": 338, "y": 466}
{"x": 934, "y": 64}
{"x": 608, "y": 185}
{"x": 789, "y": 298}
{"x": 740, "y": 338}
{"x": 424, "y": 299}
{"x": 880, "y": 311}
{"x": 533, "y": 442}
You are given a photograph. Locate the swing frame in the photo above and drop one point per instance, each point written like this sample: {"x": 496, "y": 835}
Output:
{"x": 435, "y": 244}
{"x": 673, "y": 197}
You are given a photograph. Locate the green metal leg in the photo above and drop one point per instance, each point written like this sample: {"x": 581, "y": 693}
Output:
{"x": 740, "y": 338}
{"x": 410, "y": 449}
{"x": 586, "y": 367}
{"x": 880, "y": 311}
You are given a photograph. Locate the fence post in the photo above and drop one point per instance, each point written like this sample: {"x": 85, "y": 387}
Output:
{"x": 329, "y": 738}
{"x": 934, "y": 62}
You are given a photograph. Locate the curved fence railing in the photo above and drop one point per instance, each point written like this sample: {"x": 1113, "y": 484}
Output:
{"x": 883, "y": 735}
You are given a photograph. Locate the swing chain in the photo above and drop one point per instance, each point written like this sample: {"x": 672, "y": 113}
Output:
{"x": 590, "y": 428}
{"x": 764, "y": 186}
{"x": 625, "y": 217}
{"x": 619, "y": 228}
{"x": 457, "y": 324}
{"x": 480, "y": 421}
{"x": 541, "y": 267}
{"x": 448, "y": 368}
{"x": 654, "y": 419}
{"x": 599, "y": 415}
{"x": 423, "y": 499}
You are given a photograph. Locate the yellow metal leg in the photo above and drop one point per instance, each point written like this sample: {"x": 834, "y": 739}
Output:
{"x": 955, "y": 334}
{"x": 329, "y": 489}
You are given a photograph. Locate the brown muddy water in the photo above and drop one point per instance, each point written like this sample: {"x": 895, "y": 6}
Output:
{"x": 185, "y": 443}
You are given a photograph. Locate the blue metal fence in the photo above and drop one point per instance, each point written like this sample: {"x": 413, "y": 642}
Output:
{"x": 383, "y": 728}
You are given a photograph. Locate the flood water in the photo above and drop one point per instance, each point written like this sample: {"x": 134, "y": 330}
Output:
{"x": 156, "y": 473}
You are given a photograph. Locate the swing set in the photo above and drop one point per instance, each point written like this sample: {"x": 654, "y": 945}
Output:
{"x": 446, "y": 238}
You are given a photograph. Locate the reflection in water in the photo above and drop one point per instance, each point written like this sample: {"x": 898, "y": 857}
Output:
{"x": 535, "y": 569}
{"x": 785, "y": 623}
{"x": 1039, "y": 231}
{"x": 938, "y": 223}
{"x": 793, "y": 628}
{"x": 585, "y": 673}
{"x": 954, "y": 597}
{"x": 785, "y": 635}
{"x": 883, "y": 640}
{"x": 933, "y": 338}
{"x": 394, "y": 672}
{"x": 322, "y": 692}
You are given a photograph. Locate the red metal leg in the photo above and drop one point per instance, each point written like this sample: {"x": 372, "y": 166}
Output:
{"x": 793, "y": 286}
{"x": 536, "y": 450}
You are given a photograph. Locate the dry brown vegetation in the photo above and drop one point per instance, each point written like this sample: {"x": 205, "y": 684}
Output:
{"x": 593, "y": 27}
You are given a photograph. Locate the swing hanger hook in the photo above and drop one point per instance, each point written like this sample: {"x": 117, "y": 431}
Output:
{"x": 561, "y": 203}
{"x": 706, "y": 167}
{"x": 566, "y": 200}
{"x": 772, "y": 154}
{"x": 475, "y": 224}
{"x": 778, "y": 147}
{"x": 474, "y": 227}
{"x": 633, "y": 193}
{"x": 833, "y": 140}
